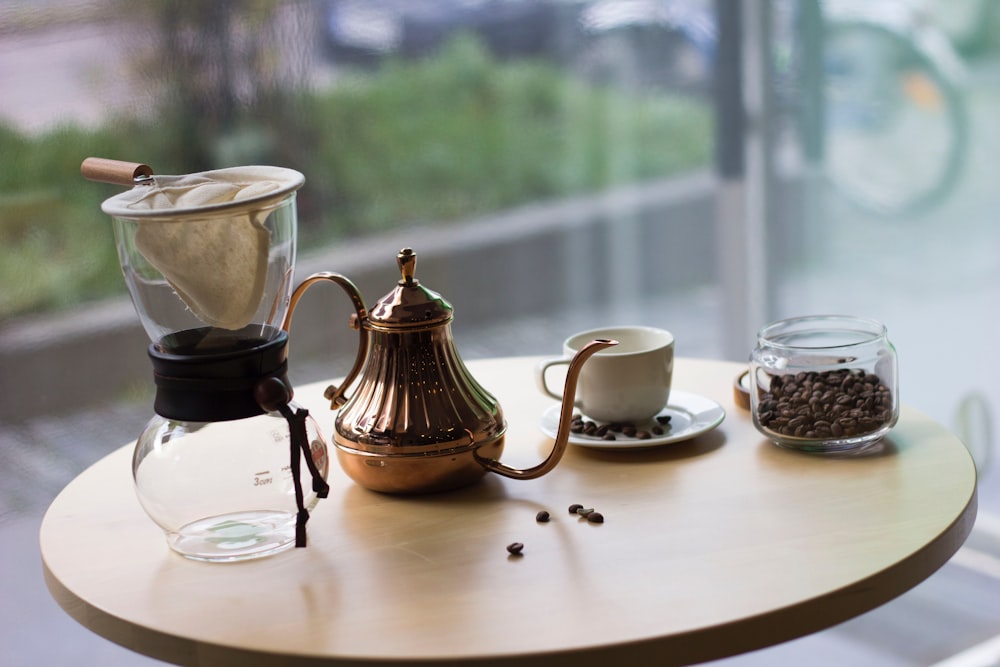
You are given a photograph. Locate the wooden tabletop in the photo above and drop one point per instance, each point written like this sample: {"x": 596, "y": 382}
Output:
{"x": 710, "y": 547}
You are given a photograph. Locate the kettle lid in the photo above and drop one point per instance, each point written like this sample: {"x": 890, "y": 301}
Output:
{"x": 409, "y": 304}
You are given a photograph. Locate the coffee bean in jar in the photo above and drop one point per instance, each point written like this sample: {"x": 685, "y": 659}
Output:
{"x": 824, "y": 383}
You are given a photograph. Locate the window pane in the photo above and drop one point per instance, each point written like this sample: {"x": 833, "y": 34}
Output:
{"x": 558, "y": 165}
{"x": 898, "y": 214}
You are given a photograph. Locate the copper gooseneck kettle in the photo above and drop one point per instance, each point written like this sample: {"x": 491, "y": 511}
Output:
{"x": 417, "y": 421}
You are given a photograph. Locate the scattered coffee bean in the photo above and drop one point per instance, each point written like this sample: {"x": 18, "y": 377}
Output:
{"x": 515, "y": 548}
{"x": 819, "y": 405}
{"x": 608, "y": 436}
{"x": 629, "y": 430}
{"x": 542, "y": 517}
{"x": 657, "y": 430}
{"x": 575, "y": 507}
{"x": 663, "y": 419}
{"x": 595, "y": 517}
{"x": 642, "y": 435}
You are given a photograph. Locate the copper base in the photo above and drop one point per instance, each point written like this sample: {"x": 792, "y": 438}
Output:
{"x": 418, "y": 473}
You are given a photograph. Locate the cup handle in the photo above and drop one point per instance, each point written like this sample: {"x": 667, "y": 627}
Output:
{"x": 333, "y": 393}
{"x": 543, "y": 368}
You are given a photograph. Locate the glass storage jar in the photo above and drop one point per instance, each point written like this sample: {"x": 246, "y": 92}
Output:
{"x": 824, "y": 383}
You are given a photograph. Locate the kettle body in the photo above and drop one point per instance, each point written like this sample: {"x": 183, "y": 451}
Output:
{"x": 417, "y": 420}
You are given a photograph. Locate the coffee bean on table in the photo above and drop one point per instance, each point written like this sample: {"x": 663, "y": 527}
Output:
{"x": 575, "y": 507}
{"x": 595, "y": 517}
{"x": 515, "y": 548}
{"x": 542, "y": 517}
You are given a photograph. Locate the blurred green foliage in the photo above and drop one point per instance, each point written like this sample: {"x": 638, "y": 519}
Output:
{"x": 431, "y": 141}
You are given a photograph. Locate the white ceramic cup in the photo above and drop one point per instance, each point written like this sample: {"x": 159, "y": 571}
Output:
{"x": 627, "y": 383}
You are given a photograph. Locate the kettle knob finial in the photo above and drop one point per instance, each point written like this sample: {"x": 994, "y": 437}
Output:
{"x": 407, "y": 260}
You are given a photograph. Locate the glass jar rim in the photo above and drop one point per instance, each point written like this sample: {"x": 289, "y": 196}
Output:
{"x": 874, "y": 329}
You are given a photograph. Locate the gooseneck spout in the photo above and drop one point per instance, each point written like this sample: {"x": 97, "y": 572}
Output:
{"x": 565, "y": 418}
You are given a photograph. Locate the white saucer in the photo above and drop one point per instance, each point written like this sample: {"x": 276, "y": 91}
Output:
{"x": 690, "y": 416}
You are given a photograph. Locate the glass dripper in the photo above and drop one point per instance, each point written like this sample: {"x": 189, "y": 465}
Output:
{"x": 208, "y": 259}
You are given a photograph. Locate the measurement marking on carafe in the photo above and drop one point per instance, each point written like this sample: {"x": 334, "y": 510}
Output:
{"x": 262, "y": 478}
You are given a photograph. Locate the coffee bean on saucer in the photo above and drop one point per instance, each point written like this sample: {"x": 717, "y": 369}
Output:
{"x": 629, "y": 431}
{"x": 656, "y": 430}
{"x": 642, "y": 435}
{"x": 608, "y": 436}
{"x": 663, "y": 419}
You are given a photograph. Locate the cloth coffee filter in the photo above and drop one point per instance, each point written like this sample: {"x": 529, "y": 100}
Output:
{"x": 205, "y": 233}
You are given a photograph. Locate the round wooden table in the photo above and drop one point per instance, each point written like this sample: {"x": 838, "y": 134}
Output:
{"x": 710, "y": 547}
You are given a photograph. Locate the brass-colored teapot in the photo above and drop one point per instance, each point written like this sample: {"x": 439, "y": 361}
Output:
{"x": 417, "y": 421}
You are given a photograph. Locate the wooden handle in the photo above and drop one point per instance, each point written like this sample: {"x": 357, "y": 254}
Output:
{"x": 117, "y": 172}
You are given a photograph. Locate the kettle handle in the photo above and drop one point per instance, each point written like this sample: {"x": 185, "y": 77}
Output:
{"x": 336, "y": 394}
{"x": 565, "y": 418}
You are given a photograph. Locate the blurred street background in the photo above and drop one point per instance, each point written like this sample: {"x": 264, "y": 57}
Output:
{"x": 580, "y": 138}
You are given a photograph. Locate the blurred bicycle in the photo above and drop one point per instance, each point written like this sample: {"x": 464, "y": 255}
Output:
{"x": 895, "y": 128}
{"x": 896, "y": 124}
